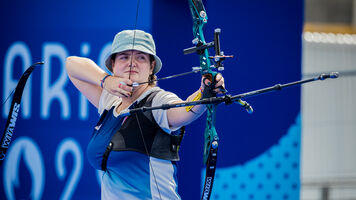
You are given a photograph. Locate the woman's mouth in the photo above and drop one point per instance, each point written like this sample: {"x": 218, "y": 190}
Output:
{"x": 132, "y": 72}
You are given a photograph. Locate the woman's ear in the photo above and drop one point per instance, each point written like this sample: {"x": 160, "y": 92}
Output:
{"x": 153, "y": 64}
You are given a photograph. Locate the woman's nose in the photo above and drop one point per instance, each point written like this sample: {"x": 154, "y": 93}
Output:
{"x": 132, "y": 61}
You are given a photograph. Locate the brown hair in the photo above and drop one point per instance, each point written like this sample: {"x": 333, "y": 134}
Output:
{"x": 152, "y": 78}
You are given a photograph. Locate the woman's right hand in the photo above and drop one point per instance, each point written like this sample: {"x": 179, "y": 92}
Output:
{"x": 118, "y": 86}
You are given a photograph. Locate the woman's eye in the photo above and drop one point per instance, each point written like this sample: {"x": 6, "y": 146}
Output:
{"x": 123, "y": 57}
{"x": 142, "y": 57}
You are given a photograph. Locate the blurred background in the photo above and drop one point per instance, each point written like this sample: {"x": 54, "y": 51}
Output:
{"x": 300, "y": 142}
{"x": 328, "y": 110}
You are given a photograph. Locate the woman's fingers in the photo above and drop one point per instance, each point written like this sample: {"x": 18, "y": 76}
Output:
{"x": 219, "y": 81}
{"x": 121, "y": 93}
{"x": 118, "y": 86}
{"x": 219, "y": 86}
{"x": 123, "y": 85}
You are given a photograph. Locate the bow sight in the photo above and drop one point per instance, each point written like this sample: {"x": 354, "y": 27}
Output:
{"x": 200, "y": 46}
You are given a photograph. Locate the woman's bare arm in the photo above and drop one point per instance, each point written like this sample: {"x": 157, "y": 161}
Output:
{"x": 86, "y": 76}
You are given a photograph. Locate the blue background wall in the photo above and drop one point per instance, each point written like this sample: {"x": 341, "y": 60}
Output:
{"x": 258, "y": 154}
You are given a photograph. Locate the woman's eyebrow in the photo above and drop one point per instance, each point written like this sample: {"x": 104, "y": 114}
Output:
{"x": 141, "y": 53}
{"x": 129, "y": 53}
{"x": 124, "y": 53}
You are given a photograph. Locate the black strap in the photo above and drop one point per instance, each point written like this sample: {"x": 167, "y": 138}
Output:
{"x": 177, "y": 139}
{"x": 106, "y": 156}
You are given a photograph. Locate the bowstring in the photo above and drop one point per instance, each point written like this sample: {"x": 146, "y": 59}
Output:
{"x": 134, "y": 37}
{"x": 8, "y": 97}
{"x": 138, "y": 121}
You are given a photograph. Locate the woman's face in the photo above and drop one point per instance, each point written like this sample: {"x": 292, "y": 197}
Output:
{"x": 133, "y": 64}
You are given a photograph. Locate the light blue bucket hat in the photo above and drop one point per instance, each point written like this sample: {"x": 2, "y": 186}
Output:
{"x": 134, "y": 40}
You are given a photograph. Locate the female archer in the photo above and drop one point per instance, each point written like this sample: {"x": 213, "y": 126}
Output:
{"x": 137, "y": 152}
